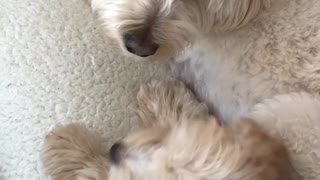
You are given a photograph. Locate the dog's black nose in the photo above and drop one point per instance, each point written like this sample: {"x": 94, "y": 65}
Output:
{"x": 116, "y": 153}
{"x": 140, "y": 45}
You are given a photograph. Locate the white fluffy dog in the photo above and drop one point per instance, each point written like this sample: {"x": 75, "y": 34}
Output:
{"x": 232, "y": 53}
{"x": 235, "y": 54}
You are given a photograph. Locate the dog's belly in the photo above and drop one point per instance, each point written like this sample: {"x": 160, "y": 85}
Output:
{"x": 277, "y": 53}
{"x": 227, "y": 97}
{"x": 228, "y": 94}
{"x": 219, "y": 81}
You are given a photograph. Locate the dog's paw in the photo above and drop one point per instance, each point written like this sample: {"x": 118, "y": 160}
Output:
{"x": 166, "y": 103}
{"x": 72, "y": 152}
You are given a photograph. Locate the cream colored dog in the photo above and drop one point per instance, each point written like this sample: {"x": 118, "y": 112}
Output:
{"x": 179, "y": 139}
{"x": 232, "y": 53}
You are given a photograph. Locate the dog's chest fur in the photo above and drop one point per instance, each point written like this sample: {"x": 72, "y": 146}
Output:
{"x": 279, "y": 52}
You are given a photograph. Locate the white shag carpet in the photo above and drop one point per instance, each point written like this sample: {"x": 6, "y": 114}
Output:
{"x": 57, "y": 67}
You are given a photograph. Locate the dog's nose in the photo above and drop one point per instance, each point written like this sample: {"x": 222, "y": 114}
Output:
{"x": 116, "y": 153}
{"x": 140, "y": 45}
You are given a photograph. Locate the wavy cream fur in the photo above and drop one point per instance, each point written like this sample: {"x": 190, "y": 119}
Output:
{"x": 178, "y": 140}
{"x": 73, "y": 152}
{"x": 233, "y": 54}
{"x": 171, "y": 28}
{"x": 295, "y": 119}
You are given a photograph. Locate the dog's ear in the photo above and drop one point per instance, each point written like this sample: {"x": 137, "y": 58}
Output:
{"x": 230, "y": 14}
{"x": 73, "y": 152}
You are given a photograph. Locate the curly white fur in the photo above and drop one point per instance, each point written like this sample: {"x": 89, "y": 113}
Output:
{"x": 180, "y": 140}
{"x": 233, "y": 54}
{"x": 236, "y": 54}
{"x": 295, "y": 118}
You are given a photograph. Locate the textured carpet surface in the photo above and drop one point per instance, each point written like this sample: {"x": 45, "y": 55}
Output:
{"x": 57, "y": 67}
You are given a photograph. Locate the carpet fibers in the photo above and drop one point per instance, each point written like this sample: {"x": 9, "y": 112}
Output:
{"x": 57, "y": 67}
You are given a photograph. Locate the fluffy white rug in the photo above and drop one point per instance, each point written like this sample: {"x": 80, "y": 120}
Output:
{"x": 56, "y": 67}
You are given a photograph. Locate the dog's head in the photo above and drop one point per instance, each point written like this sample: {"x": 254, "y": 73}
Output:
{"x": 198, "y": 150}
{"x": 164, "y": 28}
{"x": 147, "y": 27}
{"x": 191, "y": 150}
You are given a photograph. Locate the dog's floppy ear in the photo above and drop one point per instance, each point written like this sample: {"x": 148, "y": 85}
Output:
{"x": 230, "y": 14}
{"x": 73, "y": 152}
